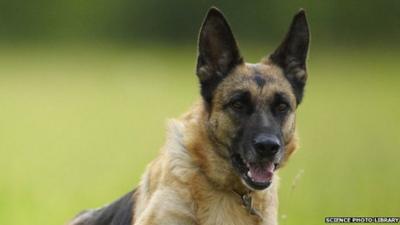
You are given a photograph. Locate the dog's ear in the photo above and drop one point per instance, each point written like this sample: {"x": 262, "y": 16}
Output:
{"x": 291, "y": 55}
{"x": 218, "y": 52}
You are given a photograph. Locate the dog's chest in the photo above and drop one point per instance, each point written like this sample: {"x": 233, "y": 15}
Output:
{"x": 223, "y": 209}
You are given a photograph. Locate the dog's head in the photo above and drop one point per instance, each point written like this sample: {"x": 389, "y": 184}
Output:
{"x": 251, "y": 107}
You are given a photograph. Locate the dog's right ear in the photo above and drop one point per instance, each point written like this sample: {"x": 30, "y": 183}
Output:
{"x": 218, "y": 52}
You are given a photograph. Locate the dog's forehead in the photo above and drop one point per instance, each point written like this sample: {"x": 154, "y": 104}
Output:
{"x": 263, "y": 73}
{"x": 263, "y": 81}
{"x": 258, "y": 75}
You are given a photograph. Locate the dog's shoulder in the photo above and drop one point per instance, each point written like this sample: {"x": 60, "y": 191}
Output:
{"x": 178, "y": 159}
{"x": 120, "y": 212}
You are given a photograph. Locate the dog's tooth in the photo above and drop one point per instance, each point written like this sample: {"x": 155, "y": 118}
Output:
{"x": 249, "y": 173}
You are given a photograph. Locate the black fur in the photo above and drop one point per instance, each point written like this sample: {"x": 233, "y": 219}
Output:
{"x": 218, "y": 52}
{"x": 259, "y": 81}
{"x": 119, "y": 212}
{"x": 291, "y": 55}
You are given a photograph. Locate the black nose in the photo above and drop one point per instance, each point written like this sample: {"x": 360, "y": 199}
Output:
{"x": 266, "y": 145}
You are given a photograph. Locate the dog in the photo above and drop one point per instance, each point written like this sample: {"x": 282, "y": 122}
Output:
{"x": 219, "y": 163}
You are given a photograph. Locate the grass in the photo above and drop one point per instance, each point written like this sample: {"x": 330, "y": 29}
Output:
{"x": 79, "y": 125}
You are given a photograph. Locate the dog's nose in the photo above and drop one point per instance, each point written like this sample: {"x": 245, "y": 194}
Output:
{"x": 266, "y": 145}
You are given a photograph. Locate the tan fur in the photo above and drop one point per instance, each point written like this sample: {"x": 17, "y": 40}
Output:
{"x": 187, "y": 186}
{"x": 192, "y": 181}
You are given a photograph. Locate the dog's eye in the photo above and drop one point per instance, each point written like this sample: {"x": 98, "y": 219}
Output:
{"x": 282, "y": 108}
{"x": 238, "y": 105}
{"x": 240, "y": 102}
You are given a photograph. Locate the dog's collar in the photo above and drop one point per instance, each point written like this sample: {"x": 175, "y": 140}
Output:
{"x": 247, "y": 203}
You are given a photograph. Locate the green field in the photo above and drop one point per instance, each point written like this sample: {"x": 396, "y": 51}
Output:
{"x": 78, "y": 126}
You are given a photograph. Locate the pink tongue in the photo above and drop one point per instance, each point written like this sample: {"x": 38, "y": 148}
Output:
{"x": 262, "y": 173}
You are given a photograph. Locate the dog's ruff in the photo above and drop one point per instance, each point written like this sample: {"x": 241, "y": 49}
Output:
{"x": 179, "y": 184}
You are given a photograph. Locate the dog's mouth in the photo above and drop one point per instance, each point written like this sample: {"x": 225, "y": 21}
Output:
{"x": 256, "y": 175}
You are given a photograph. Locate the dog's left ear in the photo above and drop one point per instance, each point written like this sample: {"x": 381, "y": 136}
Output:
{"x": 291, "y": 55}
{"x": 218, "y": 52}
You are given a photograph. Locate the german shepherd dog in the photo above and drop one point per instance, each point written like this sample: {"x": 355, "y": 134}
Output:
{"x": 219, "y": 163}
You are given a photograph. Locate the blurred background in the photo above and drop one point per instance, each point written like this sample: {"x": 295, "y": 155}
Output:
{"x": 86, "y": 88}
